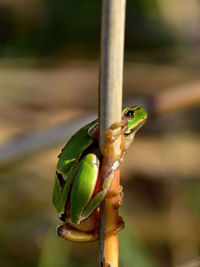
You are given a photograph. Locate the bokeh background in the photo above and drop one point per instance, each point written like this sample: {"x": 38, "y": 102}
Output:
{"x": 48, "y": 89}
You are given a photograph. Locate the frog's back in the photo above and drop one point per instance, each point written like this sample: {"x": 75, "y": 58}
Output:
{"x": 73, "y": 149}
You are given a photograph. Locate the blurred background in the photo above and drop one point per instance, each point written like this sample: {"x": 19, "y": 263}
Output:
{"x": 48, "y": 89}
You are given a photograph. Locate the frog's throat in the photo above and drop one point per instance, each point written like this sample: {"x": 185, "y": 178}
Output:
{"x": 136, "y": 128}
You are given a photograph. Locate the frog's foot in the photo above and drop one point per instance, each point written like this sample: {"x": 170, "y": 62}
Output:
{"x": 121, "y": 124}
{"x": 119, "y": 227}
{"x": 118, "y": 191}
{"x": 112, "y": 135}
{"x": 115, "y": 193}
{"x": 69, "y": 233}
{"x": 119, "y": 203}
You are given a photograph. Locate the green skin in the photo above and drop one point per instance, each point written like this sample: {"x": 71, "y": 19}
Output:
{"x": 78, "y": 168}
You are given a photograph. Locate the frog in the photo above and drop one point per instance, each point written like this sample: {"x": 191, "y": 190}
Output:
{"x": 84, "y": 175}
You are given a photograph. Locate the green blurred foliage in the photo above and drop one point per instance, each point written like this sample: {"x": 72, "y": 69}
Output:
{"x": 131, "y": 248}
{"x": 73, "y": 28}
{"x": 54, "y": 252}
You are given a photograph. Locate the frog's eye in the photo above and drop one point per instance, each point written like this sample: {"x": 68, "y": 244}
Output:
{"x": 129, "y": 114}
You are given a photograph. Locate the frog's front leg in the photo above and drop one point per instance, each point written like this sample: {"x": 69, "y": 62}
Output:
{"x": 111, "y": 135}
{"x": 109, "y": 154}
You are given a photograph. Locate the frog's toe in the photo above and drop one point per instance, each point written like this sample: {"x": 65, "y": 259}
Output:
{"x": 120, "y": 225}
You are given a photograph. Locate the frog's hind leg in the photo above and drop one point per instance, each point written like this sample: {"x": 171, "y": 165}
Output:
{"x": 86, "y": 231}
{"x": 69, "y": 233}
{"x": 109, "y": 165}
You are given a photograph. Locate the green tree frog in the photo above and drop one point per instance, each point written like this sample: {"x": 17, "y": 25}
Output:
{"x": 78, "y": 192}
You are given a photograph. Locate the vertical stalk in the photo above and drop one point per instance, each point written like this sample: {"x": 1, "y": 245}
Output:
{"x": 110, "y": 106}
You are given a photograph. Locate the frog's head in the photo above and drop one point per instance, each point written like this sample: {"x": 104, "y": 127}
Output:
{"x": 136, "y": 117}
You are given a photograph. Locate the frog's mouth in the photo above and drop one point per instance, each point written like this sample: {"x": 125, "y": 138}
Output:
{"x": 136, "y": 128}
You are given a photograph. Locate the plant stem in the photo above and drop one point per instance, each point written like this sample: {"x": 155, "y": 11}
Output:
{"x": 111, "y": 223}
{"x": 110, "y": 106}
